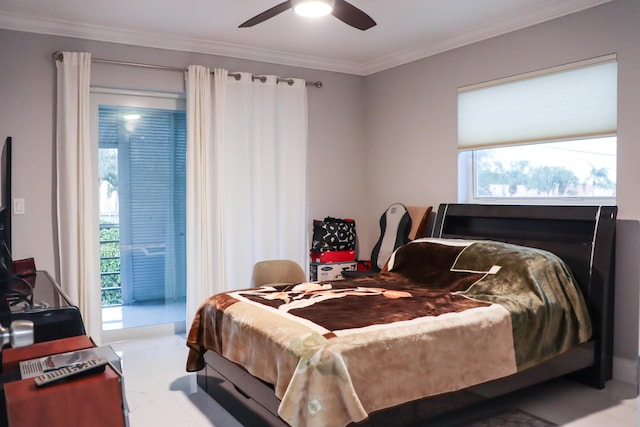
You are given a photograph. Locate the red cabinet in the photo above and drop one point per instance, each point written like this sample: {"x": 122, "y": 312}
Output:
{"x": 87, "y": 401}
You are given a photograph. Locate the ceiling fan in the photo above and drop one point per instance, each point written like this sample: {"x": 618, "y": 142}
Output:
{"x": 341, "y": 9}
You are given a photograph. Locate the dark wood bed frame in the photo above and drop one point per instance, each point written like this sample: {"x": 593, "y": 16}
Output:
{"x": 583, "y": 236}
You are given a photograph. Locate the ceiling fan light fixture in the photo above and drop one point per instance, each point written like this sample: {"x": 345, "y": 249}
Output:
{"x": 313, "y": 8}
{"x": 341, "y": 9}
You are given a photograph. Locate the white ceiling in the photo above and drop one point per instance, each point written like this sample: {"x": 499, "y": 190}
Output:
{"x": 407, "y": 30}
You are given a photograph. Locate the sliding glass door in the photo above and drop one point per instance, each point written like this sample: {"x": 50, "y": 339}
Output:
{"x": 142, "y": 172}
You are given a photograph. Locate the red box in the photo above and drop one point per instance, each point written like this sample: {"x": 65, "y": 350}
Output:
{"x": 364, "y": 265}
{"x": 24, "y": 267}
{"x": 333, "y": 256}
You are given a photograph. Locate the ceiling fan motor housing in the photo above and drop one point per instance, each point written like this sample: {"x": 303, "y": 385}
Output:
{"x": 313, "y": 8}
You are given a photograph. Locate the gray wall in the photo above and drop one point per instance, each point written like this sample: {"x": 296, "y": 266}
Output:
{"x": 412, "y": 128}
{"x": 373, "y": 140}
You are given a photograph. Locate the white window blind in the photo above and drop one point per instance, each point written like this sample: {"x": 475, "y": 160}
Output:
{"x": 569, "y": 102}
{"x": 152, "y": 195}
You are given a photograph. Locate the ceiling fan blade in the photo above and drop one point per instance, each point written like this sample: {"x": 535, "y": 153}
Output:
{"x": 267, "y": 14}
{"x": 351, "y": 15}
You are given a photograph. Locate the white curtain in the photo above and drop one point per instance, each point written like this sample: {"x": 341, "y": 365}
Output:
{"x": 259, "y": 134}
{"x": 77, "y": 195}
{"x": 205, "y": 174}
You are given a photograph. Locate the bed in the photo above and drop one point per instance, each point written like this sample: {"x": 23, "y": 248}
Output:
{"x": 304, "y": 355}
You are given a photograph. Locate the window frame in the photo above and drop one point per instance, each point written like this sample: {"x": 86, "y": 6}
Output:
{"x": 467, "y": 173}
{"x": 467, "y": 151}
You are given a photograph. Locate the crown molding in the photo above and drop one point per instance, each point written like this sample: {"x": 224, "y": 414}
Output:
{"x": 18, "y": 22}
{"x": 464, "y": 37}
{"x": 471, "y": 35}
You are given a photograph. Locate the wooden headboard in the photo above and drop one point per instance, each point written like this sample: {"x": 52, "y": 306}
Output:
{"x": 583, "y": 236}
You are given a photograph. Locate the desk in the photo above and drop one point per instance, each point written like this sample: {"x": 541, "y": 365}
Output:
{"x": 40, "y": 299}
{"x": 88, "y": 401}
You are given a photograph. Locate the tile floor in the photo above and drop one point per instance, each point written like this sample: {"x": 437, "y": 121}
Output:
{"x": 143, "y": 314}
{"x": 160, "y": 392}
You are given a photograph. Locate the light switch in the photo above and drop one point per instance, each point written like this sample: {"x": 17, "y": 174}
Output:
{"x": 18, "y": 206}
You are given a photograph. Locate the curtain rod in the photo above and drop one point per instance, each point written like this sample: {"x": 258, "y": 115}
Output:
{"x": 58, "y": 56}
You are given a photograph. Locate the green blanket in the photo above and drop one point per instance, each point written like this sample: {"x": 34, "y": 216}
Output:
{"x": 547, "y": 309}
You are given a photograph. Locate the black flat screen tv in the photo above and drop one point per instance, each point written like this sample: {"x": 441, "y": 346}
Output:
{"x": 6, "y": 261}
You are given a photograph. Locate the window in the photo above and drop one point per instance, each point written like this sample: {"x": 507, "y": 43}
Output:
{"x": 544, "y": 137}
{"x": 142, "y": 175}
{"x": 580, "y": 169}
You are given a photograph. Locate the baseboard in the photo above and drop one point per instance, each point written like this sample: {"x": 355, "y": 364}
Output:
{"x": 626, "y": 370}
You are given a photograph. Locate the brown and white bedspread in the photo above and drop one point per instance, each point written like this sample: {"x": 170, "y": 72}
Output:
{"x": 449, "y": 314}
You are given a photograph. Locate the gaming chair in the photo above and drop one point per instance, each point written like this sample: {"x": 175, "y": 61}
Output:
{"x": 395, "y": 225}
